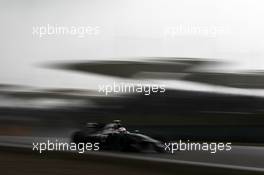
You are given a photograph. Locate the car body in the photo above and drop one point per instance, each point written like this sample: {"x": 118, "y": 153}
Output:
{"x": 114, "y": 136}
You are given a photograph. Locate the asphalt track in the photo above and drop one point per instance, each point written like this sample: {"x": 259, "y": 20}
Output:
{"x": 242, "y": 158}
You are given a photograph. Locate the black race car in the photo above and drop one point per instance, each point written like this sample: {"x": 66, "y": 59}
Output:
{"x": 114, "y": 136}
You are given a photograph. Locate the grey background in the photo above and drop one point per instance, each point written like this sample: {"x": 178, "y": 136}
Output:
{"x": 128, "y": 29}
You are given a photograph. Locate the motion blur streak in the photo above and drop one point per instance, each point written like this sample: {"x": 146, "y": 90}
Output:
{"x": 199, "y": 104}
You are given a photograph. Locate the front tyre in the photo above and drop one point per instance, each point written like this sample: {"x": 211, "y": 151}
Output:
{"x": 78, "y": 137}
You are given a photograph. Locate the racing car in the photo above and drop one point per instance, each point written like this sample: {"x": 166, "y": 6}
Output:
{"x": 114, "y": 136}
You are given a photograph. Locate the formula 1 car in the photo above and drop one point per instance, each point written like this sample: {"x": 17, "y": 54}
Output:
{"x": 114, "y": 136}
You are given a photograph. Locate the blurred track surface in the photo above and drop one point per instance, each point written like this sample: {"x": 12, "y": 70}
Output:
{"x": 247, "y": 158}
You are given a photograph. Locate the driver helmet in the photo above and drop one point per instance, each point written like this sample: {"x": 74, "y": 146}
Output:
{"x": 122, "y": 130}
